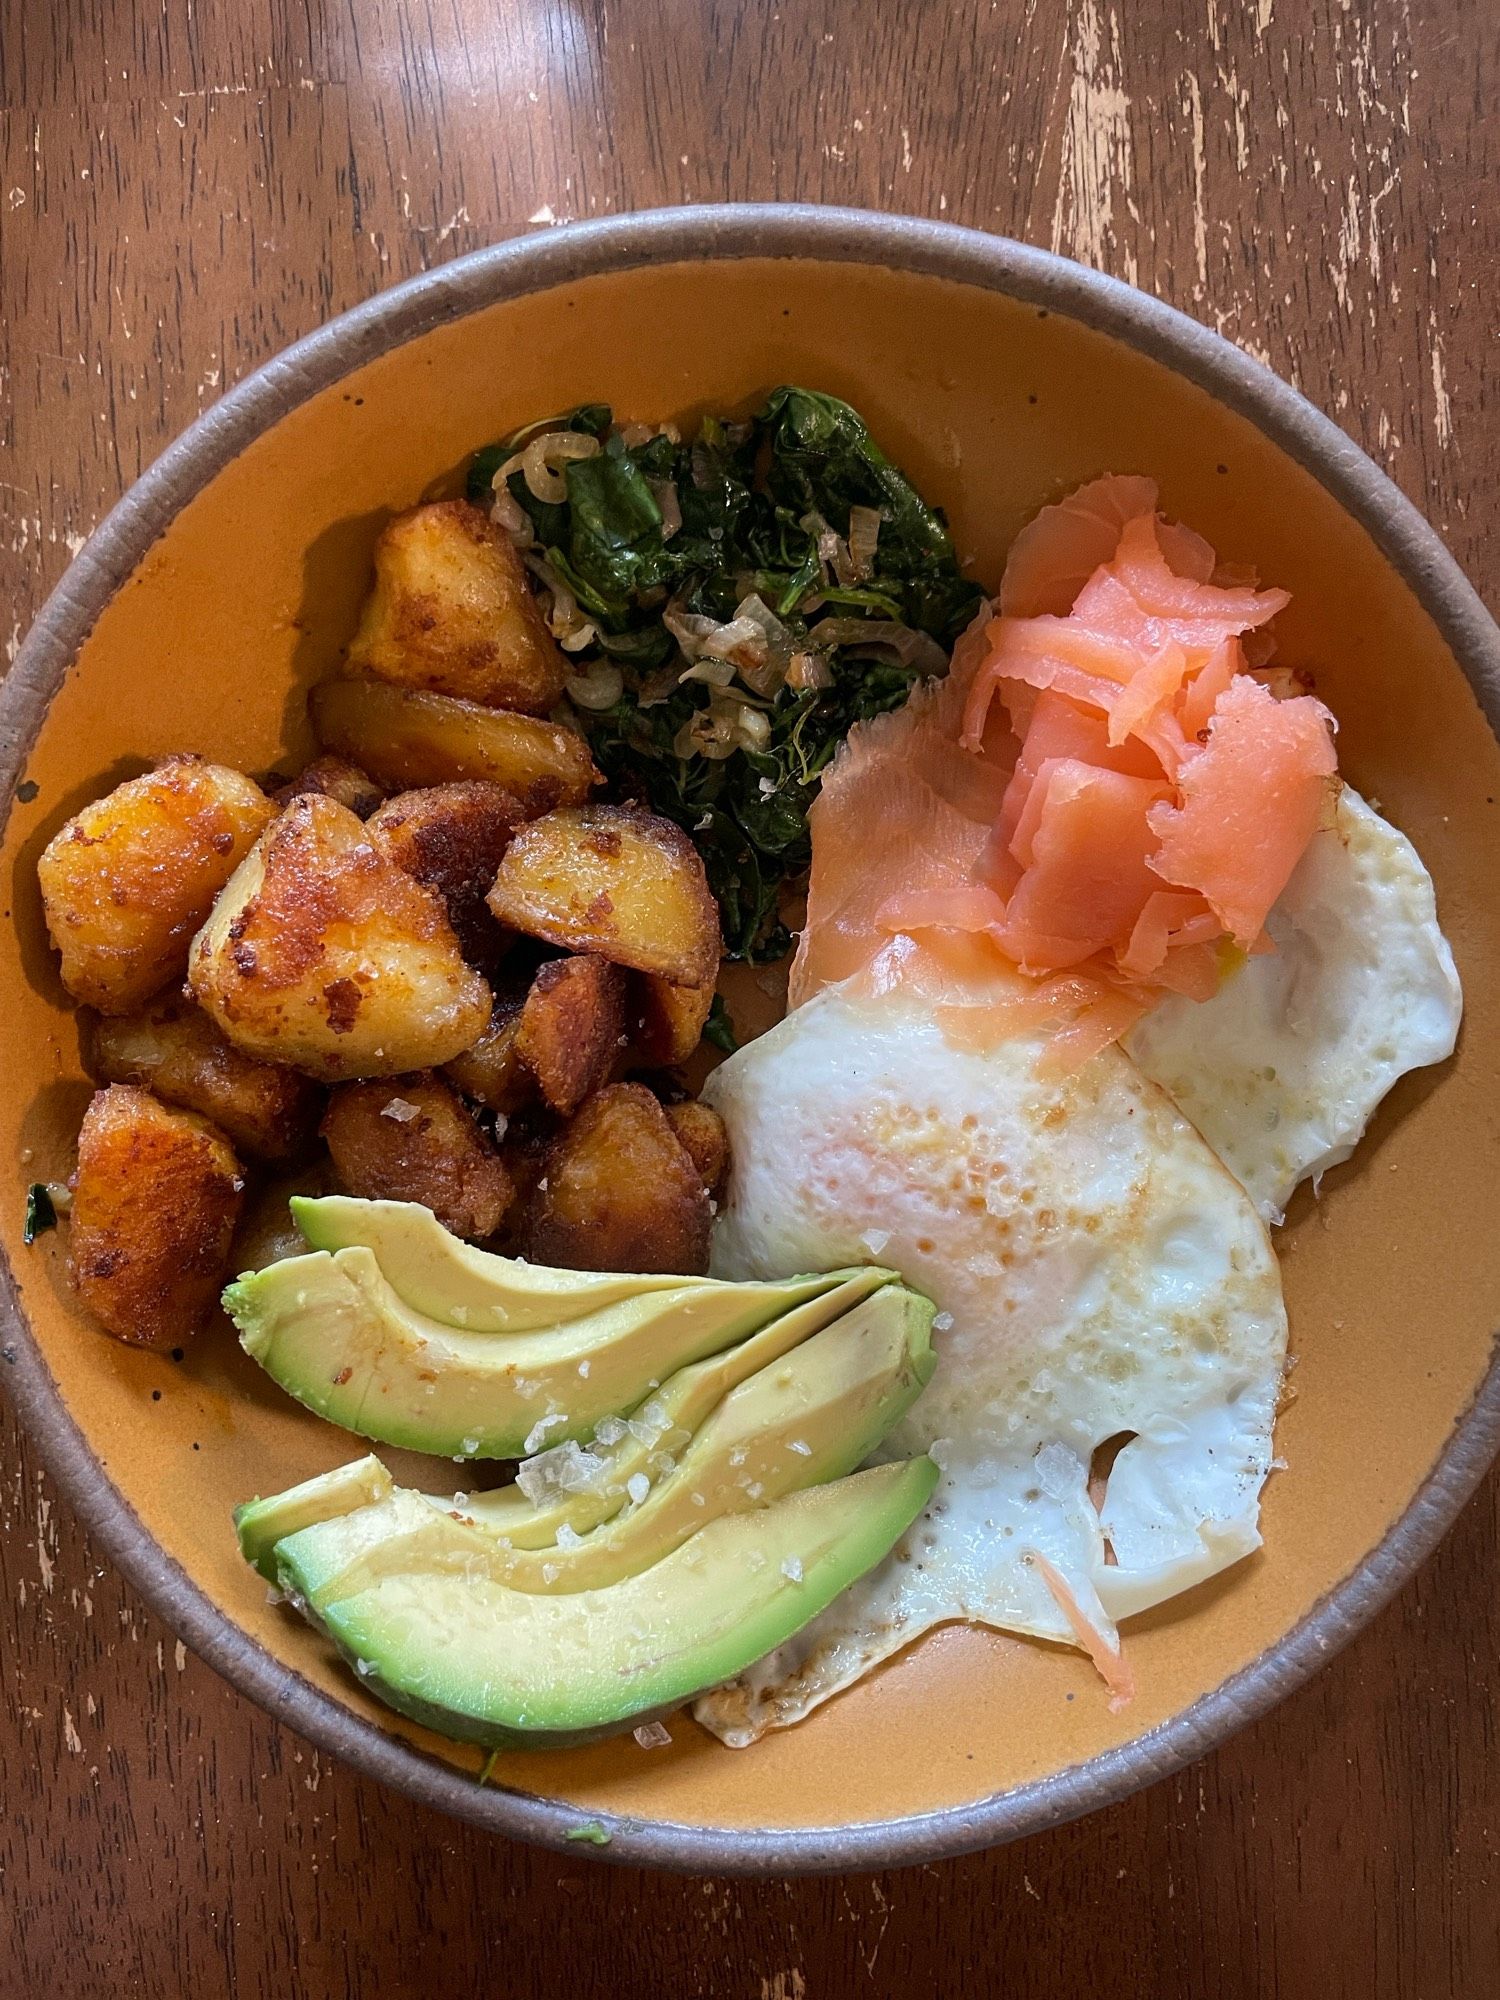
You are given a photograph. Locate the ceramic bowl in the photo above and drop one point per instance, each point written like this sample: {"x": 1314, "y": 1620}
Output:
{"x": 226, "y": 582}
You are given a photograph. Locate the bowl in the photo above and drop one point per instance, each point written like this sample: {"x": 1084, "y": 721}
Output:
{"x": 226, "y": 582}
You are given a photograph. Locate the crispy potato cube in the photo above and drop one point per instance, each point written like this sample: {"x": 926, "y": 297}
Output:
{"x": 335, "y": 778}
{"x": 667, "y": 1020}
{"x": 617, "y": 882}
{"x": 323, "y": 954}
{"x": 155, "y": 1201}
{"x": 701, "y": 1132}
{"x": 451, "y": 838}
{"x": 452, "y": 611}
{"x": 620, "y": 1192}
{"x": 414, "y": 1139}
{"x": 406, "y": 737}
{"x": 128, "y": 880}
{"x": 572, "y": 1029}
{"x": 492, "y": 1072}
{"x": 172, "y": 1049}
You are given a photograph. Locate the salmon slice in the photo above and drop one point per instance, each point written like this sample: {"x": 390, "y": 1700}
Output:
{"x": 1085, "y": 851}
{"x": 1252, "y": 798}
{"x": 1059, "y": 549}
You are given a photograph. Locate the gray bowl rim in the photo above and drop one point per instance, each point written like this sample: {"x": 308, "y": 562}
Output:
{"x": 560, "y": 257}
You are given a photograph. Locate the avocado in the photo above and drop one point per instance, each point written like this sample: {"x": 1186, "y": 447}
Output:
{"x": 803, "y": 1420}
{"x": 260, "y": 1524}
{"x": 440, "y": 1275}
{"x": 331, "y": 1331}
{"x": 576, "y": 1491}
{"x": 440, "y": 1637}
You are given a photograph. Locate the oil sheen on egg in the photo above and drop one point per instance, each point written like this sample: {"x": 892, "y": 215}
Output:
{"x": 1098, "y": 1274}
{"x": 1281, "y": 1070}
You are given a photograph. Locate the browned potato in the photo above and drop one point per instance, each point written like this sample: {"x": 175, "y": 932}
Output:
{"x": 414, "y": 1139}
{"x": 130, "y": 878}
{"x": 572, "y": 1028}
{"x": 452, "y": 612}
{"x": 337, "y": 779}
{"x": 668, "y": 1020}
{"x": 266, "y": 1232}
{"x": 451, "y": 838}
{"x": 492, "y": 1072}
{"x": 620, "y": 1192}
{"x": 172, "y": 1049}
{"x": 405, "y": 737}
{"x": 155, "y": 1201}
{"x": 617, "y": 882}
{"x": 323, "y": 954}
{"x": 701, "y": 1132}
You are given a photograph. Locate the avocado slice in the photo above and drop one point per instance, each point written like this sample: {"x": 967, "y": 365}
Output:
{"x": 331, "y": 1331}
{"x": 438, "y": 1274}
{"x": 801, "y": 1421}
{"x": 441, "y": 1638}
{"x": 577, "y": 1490}
{"x": 261, "y": 1524}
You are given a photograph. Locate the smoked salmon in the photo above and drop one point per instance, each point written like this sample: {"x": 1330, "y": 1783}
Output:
{"x": 1099, "y": 802}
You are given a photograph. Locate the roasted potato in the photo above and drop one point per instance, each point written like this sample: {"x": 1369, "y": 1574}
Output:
{"x": 451, "y": 838}
{"x": 172, "y": 1049}
{"x": 620, "y": 1192}
{"x": 155, "y": 1200}
{"x": 323, "y": 954}
{"x": 335, "y": 778}
{"x": 128, "y": 880}
{"x": 266, "y": 1232}
{"x": 572, "y": 1029}
{"x": 414, "y": 1139}
{"x": 617, "y": 882}
{"x": 405, "y": 737}
{"x": 667, "y": 1021}
{"x": 452, "y": 612}
{"x": 492, "y": 1072}
{"x": 700, "y": 1131}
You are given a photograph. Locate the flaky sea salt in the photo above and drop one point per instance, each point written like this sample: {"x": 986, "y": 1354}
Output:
{"x": 652, "y": 1736}
{"x": 875, "y": 1240}
{"x": 638, "y": 1486}
{"x": 536, "y": 1437}
{"x": 802, "y": 1448}
{"x": 941, "y": 1322}
{"x": 792, "y": 1567}
{"x": 567, "y": 1537}
{"x": 401, "y": 1109}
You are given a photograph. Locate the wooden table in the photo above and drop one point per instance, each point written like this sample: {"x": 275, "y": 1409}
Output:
{"x": 186, "y": 187}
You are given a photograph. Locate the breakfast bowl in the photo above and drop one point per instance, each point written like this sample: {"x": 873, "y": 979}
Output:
{"x": 229, "y": 581}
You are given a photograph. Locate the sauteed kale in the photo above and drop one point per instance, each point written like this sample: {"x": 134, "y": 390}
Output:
{"x": 735, "y": 601}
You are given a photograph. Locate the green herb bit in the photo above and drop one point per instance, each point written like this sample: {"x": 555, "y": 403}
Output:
{"x": 41, "y": 1213}
{"x": 487, "y": 1766}
{"x": 592, "y": 1831}
{"x": 719, "y": 1028}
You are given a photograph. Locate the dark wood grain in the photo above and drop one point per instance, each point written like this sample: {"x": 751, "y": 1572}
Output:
{"x": 186, "y": 186}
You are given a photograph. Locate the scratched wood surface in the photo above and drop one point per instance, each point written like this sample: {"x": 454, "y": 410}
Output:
{"x": 184, "y": 188}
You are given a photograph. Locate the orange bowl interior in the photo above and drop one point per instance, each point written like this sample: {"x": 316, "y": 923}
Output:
{"x": 1392, "y": 1278}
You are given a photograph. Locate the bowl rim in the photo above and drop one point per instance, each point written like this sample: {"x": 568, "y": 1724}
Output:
{"x": 534, "y": 263}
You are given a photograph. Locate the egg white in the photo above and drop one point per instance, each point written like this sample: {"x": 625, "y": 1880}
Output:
{"x": 1282, "y": 1069}
{"x": 1097, "y": 1271}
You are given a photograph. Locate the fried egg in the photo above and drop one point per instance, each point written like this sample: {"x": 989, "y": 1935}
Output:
{"x": 1282, "y": 1069}
{"x": 1101, "y": 1280}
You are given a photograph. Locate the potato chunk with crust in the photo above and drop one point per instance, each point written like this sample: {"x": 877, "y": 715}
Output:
{"x": 155, "y": 1200}
{"x": 492, "y": 1072}
{"x": 414, "y": 1139}
{"x": 128, "y": 880}
{"x": 701, "y": 1131}
{"x": 404, "y": 737}
{"x": 172, "y": 1049}
{"x": 323, "y": 954}
{"x": 572, "y": 1028}
{"x": 451, "y": 838}
{"x": 452, "y": 612}
{"x": 667, "y": 1020}
{"x": 620, "y": 1192}
{"x": 617, "y": 882}
{"x": 337, "y": 779}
